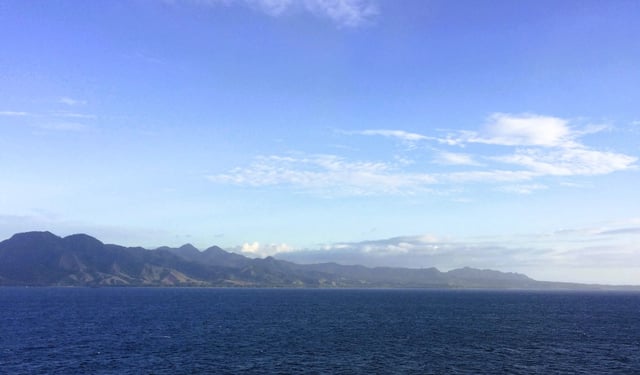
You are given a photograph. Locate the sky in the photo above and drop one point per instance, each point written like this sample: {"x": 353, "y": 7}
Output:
{"x": 413, "y": 133}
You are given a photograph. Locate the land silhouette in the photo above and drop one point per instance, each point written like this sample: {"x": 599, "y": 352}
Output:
{"x": 44, "y": 259}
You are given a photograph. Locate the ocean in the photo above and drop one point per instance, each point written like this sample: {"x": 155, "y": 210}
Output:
{"x": 308, "y": 331}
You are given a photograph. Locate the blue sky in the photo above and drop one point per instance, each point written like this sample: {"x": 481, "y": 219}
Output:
{"x": 495, "y": 134}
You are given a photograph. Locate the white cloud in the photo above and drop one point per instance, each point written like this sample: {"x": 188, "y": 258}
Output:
{"x": 54, "y": 120}
{"x": 572, "y": 184}
{"x": 618, "y": 228}
{"x": 14, "y": 113}
{"x": 454, "y": 158}
{"x": 271, "y": 7}
{"x": 326, "y": 174}
{"x": 398, "y": 134}
{"x": 332, "y": 175}
{"x": 536, "y": 147}
{"x": 621, "y": 231}
{"x": 348, "y": 13}
{"x": 522, "y": 188}
{"x": 255, "y": 249}
{"x": 70, "y": 101}
{"x": 63, "y": 114}
{"x": 552, "y": 148}
{"x": 592, "y": 129}
{"x": 488, "y": 176}
{"x": 74, "y": 115}
{"x": 250, "y": 248}
{"x": 524, "y": 130}
{"x": 569, "y": 161}
{"x": 504, "y": 130}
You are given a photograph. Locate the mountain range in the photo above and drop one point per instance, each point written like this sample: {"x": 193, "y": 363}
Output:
{"x": 44, "y": 259}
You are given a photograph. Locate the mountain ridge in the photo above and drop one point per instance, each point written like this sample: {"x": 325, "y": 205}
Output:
{"x": 44, "y": 259}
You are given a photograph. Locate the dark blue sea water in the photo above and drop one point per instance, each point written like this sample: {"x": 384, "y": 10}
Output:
{"x": 169, "y": 331}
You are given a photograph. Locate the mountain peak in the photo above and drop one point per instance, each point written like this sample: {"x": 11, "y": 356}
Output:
{"x": 215, "y": 249}
{"x": 31, "y": 238}
{"x": 40, "y": 235}
{"x": 83, "y": 239}
{"x": 188, "y": 247}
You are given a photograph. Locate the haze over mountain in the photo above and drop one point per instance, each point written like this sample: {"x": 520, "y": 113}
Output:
{"x": 44, "y": 259}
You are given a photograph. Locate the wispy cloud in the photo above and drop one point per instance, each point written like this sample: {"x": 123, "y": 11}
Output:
{"x": 331, "y": 175}
{"x": 487, "y": 176}
{"x": 71, "y": 101}
{"x": 347, "y": 13}
{"x": 74, "y": 115}
{"x": 455, "y": 158}
{"x": 621, "y": 231}
{"x": 502, "y": 129}
{"x": 351, "y": 13}
{"x": 523, "y": 148}
{"x": 398, "y": 134}
{"x": 326, "y": 175}
{"x": 569, "y": 161}
{"x": 59, "y": 120}
{"x": 14, "y": 113}
{"x": 522, "y": 188}
{"x": 66, "y": 114}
